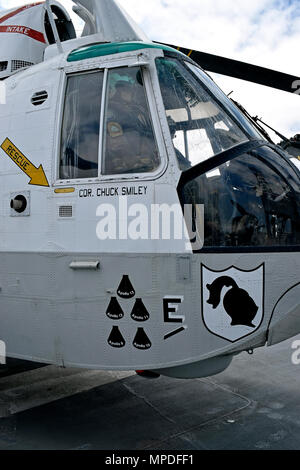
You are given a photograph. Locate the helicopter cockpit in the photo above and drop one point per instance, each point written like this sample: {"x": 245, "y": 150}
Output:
{"x": 252, "y": 200}
{"x": 200, "y": 125}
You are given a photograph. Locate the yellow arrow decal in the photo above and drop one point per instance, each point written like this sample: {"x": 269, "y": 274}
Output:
{"x": 37, "y": 175}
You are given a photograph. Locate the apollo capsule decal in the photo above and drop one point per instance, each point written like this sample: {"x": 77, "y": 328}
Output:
{"x": 141, "y": 340}
{"x": 115, "y": 339}
{"x": 232, "y": 301}
{"x": 139, "y": 313}
{"x": 114, "y": 310}
{"x": 125, "y": 289}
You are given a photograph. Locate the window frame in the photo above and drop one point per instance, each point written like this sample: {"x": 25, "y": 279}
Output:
{"x": 90, "y": 67}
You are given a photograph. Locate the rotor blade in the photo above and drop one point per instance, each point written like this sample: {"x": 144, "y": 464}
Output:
{"x": 243, "y": 71}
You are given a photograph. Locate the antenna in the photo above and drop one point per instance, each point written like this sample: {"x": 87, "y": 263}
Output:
{"x": 53, "y": 26}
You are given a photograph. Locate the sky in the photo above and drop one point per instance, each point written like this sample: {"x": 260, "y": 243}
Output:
{"x": 261, "y": 32}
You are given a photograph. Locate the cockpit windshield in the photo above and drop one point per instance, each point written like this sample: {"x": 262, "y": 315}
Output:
{"x": 201, "y": 124}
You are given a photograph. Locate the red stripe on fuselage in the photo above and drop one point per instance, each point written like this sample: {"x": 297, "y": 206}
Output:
{"x": 19, "y": 10}
{"x": 32, "y": 33}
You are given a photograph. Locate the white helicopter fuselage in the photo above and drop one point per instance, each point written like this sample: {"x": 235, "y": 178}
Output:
{"x": 58, "y": 276}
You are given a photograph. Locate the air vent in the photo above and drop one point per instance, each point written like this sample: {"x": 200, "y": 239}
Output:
{"x": 39, "y": 98}
{"x": 3, "y": 66}
{"x": 66, "y": 212}
{"x": 19, "y": 64}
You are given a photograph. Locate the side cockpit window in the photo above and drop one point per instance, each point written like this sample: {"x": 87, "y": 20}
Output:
{"x": 200, "y": 126}
{"x": 248, "y": 202}
{"x": 121, "y": 135}
{"x": 81, "y": 127}
{"x": 129, "y": 143}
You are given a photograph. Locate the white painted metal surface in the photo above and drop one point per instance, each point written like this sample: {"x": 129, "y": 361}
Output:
{"x": 54, "y": 314}
{"x": 23, "y": 36}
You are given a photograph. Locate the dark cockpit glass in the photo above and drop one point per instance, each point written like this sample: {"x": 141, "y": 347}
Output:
{"x": 201, "y": 125}
{"x": 250, "y": 201}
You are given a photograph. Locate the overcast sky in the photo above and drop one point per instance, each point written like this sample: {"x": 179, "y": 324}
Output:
{"x": 262, "y": 32}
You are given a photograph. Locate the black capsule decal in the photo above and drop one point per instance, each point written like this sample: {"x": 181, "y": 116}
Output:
{"x": 114, "y": 310}
{"x": 125, "y": 289}
{"x": 141, "y": 340}
{"x": 116, "y": 339}
{"x": 139, "y": 311}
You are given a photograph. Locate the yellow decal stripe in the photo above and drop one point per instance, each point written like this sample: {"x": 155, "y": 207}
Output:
{"x": 64, "y": 190}
{"x": 37, "y": 175}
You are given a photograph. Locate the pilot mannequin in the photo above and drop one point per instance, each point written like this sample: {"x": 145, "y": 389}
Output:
{"x": 129, "y": 137}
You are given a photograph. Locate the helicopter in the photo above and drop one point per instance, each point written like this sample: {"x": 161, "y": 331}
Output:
{"x": 147, "y": 224}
